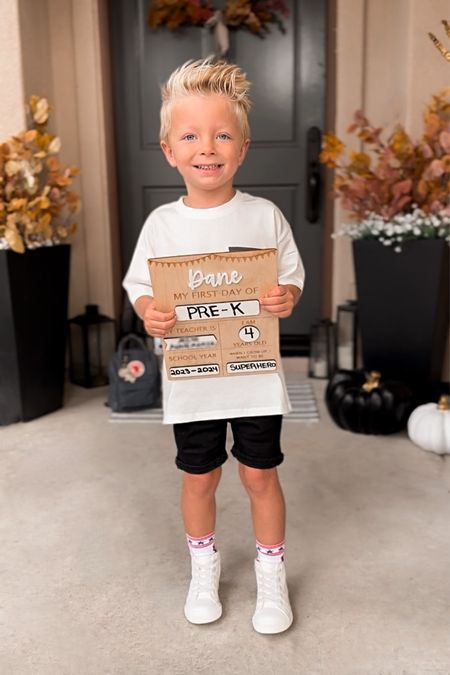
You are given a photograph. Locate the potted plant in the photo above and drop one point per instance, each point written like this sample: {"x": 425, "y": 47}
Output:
{"x": 397, "y": 192}
{"x": 37, "y": 210}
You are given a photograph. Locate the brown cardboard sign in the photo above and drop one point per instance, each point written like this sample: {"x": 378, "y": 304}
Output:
{"x": 222, "y": 329}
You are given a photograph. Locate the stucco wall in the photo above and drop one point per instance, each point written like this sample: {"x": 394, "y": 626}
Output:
{"x": 12, "y": 113}
{"x": 64, "y": 57}
{"x": 36, "y": 48}
{"x": 388, "y": 67}
{"x": 428, "y": 70}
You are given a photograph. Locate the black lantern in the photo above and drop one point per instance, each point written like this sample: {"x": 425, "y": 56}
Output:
{"x": 92, "y": 343}
{"x": 322, "y": 349}
{"x": 347, "y": 336}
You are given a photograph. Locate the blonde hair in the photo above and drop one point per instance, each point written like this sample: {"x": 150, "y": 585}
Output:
{"x": 202, "y": 77}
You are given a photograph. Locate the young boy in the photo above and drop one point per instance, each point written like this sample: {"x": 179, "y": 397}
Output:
{"x": 205, "y": 135}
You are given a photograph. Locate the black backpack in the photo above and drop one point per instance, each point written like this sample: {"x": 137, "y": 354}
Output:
{"x": 134, "y": 376}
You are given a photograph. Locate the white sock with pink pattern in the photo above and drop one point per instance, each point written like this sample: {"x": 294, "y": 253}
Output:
{"x": 270, "y": 554}
{"x": 202, "y": 545}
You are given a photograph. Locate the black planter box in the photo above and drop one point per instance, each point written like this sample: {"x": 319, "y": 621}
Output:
{"x": 403, "y": 304}
{"x": 33, "y": 327}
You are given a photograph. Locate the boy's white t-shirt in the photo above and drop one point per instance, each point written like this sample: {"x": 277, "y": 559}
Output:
{"x": 177, "y": 229}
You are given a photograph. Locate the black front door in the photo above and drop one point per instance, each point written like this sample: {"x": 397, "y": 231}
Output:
{"x": 287, "y": 71}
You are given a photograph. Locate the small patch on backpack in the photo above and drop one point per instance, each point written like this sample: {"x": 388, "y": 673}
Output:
{"x": 131, "y": 371}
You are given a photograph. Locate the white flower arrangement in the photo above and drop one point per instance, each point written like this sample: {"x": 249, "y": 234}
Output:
{"x": 400, "y": 228}
{"x": 397, "y": 189}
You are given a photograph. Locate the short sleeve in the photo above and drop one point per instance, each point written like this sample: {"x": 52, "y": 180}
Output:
{"x": 137, "y": 279}
{"x": 290, "y": 264}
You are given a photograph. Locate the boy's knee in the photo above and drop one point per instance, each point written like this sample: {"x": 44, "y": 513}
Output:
{"x": 257, "y": 481}
{"x": 202, "y": 484}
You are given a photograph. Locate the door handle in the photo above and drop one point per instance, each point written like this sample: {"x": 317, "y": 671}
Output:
{"x": 313, "y": 178}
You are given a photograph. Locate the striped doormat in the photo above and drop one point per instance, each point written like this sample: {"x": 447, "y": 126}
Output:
{"x": 304, "y": 407}
{"x": 303, "y": 401}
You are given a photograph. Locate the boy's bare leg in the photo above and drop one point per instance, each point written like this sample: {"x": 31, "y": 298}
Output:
{"x": 198, "y": 505}
{"x": 198, "y": 502}
{"x": 273, "y": 613}
{"x": 267, "y": 503}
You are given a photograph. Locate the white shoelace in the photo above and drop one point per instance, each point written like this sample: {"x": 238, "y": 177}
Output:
{"x": 203, "y": 576}
{"x": 271, "y": 588}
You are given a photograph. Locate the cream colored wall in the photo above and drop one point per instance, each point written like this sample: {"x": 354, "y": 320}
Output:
{"x": 96, "y": 145}
{"x": 387, "y": 66}
{"x": 61, "y": 51}
{"x": 65, "y": 101}
{"x": 36, "y": 49}
{"x": 12, "y": 113}
{"x": 428, "y": 71}
{"x": 350, "y": 35}
{"x": 48, "y": 70}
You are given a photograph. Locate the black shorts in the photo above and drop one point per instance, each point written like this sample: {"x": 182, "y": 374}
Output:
{"x": 201, "y": 445}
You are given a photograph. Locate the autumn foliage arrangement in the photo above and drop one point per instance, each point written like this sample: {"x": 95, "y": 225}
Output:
{"x": 254, "y": 15}
{"x": 177, "y": 13}
{"x": 37, "y": 204}
{"x": 399, "y": 188}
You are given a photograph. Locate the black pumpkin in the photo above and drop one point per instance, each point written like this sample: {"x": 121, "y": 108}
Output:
{"x": 360, "y": 402}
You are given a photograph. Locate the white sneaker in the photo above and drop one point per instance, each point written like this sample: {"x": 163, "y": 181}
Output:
{"x": 202, "y": 602}
{"x": 273, "y": 612}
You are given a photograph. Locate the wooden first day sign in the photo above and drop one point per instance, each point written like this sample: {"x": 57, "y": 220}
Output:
{"x": 221, "y": 328}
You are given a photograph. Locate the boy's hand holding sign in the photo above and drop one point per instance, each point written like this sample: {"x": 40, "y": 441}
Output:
{"x": 221, "y": 327}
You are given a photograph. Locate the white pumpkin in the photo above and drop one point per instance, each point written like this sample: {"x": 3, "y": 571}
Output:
{"x": 429, "y": 426}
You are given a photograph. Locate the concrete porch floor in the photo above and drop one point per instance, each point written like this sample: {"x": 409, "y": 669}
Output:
{"x": 94, "y": 567}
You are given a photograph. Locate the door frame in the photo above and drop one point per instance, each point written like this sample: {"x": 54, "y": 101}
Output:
{"x": 328, "y": 176}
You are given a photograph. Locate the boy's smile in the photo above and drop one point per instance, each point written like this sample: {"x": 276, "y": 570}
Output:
{"x": 208, "y": 167}
{"x": 205, "y": 144}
